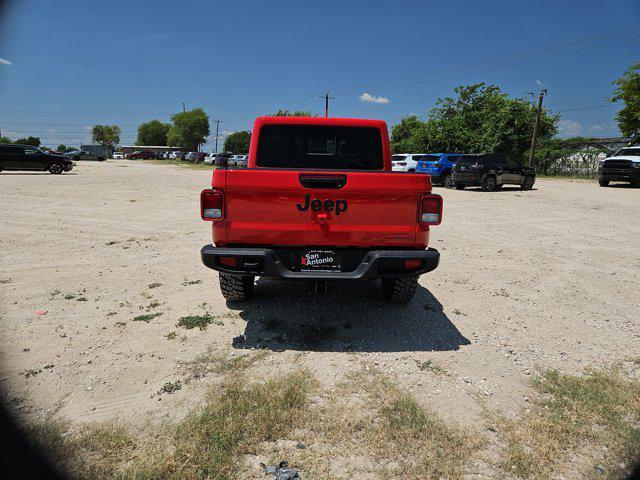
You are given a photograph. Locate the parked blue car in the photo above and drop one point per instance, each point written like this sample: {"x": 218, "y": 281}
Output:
{"x": 439, "y": 166}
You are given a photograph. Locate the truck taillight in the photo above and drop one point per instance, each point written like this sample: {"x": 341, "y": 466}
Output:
{"x": 211, "y": 205}
{"x": 431, "y": 209}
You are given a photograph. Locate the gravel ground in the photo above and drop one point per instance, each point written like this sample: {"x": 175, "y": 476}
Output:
{"x": 527, "y": 280}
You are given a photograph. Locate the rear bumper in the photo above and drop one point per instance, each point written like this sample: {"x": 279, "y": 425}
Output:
{"x": 265, "y": 262}
{"x": 467, "y": 179}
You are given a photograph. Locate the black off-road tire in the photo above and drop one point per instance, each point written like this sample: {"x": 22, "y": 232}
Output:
{"x": 236, "y": 287}
{"x": 459, "y": 186}
{"x": 400, "y": 289}
{"x": 603, "y": 183}
{"x": 489, "y": 184}
{"x": 528, "y": 182}
{"x": 55, "y": 168}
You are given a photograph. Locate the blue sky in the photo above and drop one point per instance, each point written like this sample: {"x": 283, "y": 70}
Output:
{"x": 84, "y": 62}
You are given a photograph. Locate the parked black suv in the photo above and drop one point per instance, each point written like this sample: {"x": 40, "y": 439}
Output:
{"x": 26, "y": 157}
{"x": 491, "y": 171}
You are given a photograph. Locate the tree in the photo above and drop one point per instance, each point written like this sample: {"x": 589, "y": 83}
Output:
{"x": 628, "y": 92}
{"x": 405, "y": 135}
{"x": 238, "y": 142}
{"x": 153, "y": 133}
{"x": 297, "y": 113}
{"x": 478, "y": 119}
{"x": 5, "y": 140}
{"x": 189, "y": 129}
{"x": 62, "y": 148}
{"x": 106, "y": 135}
{"x": 33, "y": 141}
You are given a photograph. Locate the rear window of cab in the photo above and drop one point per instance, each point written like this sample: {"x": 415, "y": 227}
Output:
{"x": 320, "y": 147}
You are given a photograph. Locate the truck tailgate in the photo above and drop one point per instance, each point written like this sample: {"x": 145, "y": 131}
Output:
{"x": 346, "y": 208}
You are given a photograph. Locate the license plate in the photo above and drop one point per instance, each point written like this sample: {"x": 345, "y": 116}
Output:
{"x": 320, "y": 261}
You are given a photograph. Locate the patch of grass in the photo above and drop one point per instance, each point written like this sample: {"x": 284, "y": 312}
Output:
{"x": 121, "y": 324}
{"x": 171, "y": 335}
{"x": 111, "y": 314}
{"x": 573, "y": 415}
{"x": 234, "y": 421}
{"x": 187, "y": 282}
{"x": 171, "y": 387}
{"x": 237, "y": 418}
{"x": 31, "y": 372}
{"x": 53, "y": 294}
{"x": 193, "y": 321}
{"x": 93, "y": 452}
{"x": 147, "y": 317}
{"x": 69, "y": 296}
{"x": 5, "y": 280}
{"x": 155, "y": 285}
{"x": 368, "y": 416}
{"x": 216, "y": 362}
{"x": 431, "y": 366}
{"x": 81, "y": 299}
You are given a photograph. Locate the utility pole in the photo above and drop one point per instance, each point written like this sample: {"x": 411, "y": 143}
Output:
{"x": 326, "y": 102}
{"x": 218, "y": 122}
{"x": 534, "y": 137}
{"x": 183, "y": 108}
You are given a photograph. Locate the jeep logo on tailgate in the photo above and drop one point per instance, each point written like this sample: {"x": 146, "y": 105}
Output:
{"x": 327, "y": 205}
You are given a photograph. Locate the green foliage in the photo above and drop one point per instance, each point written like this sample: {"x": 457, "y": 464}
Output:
{"x": 238, "y": 142}
{"x": 576, "y": 156}
{"x": 628, "y": 91}
{"x": 283, "y": 112}
{"x": 5, "y": 140}
{"x": 406, "y": 135}
{"x": 62, "y": 148}
{"x": 480, "y": 118}
{"x": 153, "y": 133}
{"x": 189, "y": 128}
{"x": 106, "y": 135}
{"x": 33, "y": 141}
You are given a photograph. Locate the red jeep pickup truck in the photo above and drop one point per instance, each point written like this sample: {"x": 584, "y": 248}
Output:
{"x": 319, "y": 202}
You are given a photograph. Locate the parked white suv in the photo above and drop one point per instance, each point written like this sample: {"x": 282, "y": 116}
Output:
{"x": 118, "y": 156}
{"x": 405, "y": 162}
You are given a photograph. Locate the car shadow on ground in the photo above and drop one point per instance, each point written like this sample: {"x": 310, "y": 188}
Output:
{"x": 503, "y": 189}
{"x": 350, "y": 317}
{"x": 33, "y": 173}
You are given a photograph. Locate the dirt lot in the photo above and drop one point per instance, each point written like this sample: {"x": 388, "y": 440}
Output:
{"x": 527, "y": 281}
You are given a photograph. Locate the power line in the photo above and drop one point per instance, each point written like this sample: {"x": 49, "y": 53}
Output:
{"x": 496, "y": 60}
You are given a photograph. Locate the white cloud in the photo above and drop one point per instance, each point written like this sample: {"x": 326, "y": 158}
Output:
{"x": 596, "y": 128}
{"x": 366, "y": 97}
{"x": 4, "y": 61}
{"x": 569, "y": 128}
{"x": 51, "y": 130}
{"x": 540, "y": 83}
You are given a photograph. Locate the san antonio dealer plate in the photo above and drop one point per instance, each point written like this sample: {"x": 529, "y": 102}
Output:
{"x": 320, "y": 261}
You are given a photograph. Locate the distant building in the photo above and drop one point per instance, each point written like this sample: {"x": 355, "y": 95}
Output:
{"x": 127, "y": 149}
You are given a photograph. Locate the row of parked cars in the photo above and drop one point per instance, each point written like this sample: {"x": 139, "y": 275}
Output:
{"x": 488, "y": 171}
{"x": 195, "y": 157}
